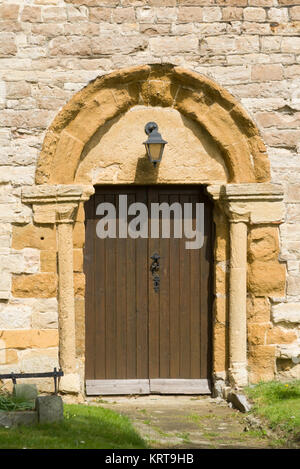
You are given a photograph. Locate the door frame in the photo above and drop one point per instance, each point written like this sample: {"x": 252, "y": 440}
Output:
{"x": 238, "y": 208}
{"x": 163, "y": 385}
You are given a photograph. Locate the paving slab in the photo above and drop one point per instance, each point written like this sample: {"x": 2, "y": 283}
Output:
{"x": 181, "y": 422}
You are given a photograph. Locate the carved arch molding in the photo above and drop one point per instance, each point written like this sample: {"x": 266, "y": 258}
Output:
{"x": 246, "y": 200}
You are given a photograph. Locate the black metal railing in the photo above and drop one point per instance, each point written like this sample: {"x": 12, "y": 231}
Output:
{"x": 51, "y": 374}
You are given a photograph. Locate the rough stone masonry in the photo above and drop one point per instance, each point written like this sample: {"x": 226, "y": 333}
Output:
{"x": 51, "y": 49}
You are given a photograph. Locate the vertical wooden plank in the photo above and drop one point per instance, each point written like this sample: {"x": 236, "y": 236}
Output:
{"x": 185, "y": 292}
{"x": 174, "y": 274}
{"x": 164, "y": 300}
{"x": 121, "y": 299}
{"x": 154, "y": 332}
{"x": 205, "y": 293}
{"x": 110, "y": 303}
{"x": 142, "y": 299}
{"x": 89, "y": 256}
{"x": 131, "y": 306}
{"x": 195, "y": 282}
{"x": 99, "y": 293}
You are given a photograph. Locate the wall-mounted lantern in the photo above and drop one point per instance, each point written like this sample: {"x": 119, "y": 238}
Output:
{"x": 154, "y": 144}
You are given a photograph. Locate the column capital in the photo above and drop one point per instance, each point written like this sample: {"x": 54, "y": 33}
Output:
{"x": 65, "y": 213}
{"x": 52, "y": 202}
{"x": 250, "y": 203}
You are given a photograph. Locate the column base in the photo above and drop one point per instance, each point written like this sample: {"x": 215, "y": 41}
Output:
{"x": 70, "y": 383}
{"x": 238, "y": 375}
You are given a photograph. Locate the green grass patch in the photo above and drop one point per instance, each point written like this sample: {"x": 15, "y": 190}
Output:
{"x": 279, "y": 405}
{"x": 84, "y": 427}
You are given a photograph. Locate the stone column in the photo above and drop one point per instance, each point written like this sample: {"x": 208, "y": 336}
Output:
{"x": 58, "y": 205}
{"x": 66, "y": 323}
{"x": 244, "y": 204}
{"x": 237, "y": 304}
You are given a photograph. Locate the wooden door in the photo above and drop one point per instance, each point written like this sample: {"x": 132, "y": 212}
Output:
{"x": 142, "y": 337}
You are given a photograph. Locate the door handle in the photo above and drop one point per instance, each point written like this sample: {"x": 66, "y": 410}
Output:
{"x": 154, "y": 268}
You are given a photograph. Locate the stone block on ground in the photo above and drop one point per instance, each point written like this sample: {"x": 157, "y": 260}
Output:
{"x": 239, "y": 401}
{"x": 14, "y": 419}
{"x": 26, "y": 392}
{"x": 49, "y": 409}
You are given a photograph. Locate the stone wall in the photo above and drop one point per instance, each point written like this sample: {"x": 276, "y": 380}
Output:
{"x": 50, "y": 49}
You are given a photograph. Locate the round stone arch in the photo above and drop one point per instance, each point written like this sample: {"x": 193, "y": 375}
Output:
{"x": 244, "y": 198}
{"x": 198, "y": 98}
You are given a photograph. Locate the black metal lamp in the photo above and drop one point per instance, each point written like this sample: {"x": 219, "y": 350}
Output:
{"x": 154, "y": 144}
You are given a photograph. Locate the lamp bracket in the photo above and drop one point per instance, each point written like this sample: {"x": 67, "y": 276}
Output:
{"x": 150, "y": 127}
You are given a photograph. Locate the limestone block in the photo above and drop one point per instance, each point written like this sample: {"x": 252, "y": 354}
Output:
{"x": 38, "y": 360}
{"x": 266, "y": 278}
{"x": 33, "y": 236}
{"x": 44, "y": 320}
{"x": 70, "y": 383}
{"x": 31, "y": 260}
{"x": 5, "y": 285}
{"x": 261, "y": 361}
{"x": 34, "y": 286}
{"x": 79, "y": 284}
{"x": 293, "y": 285}
{"x": 279, "y": 335}
{"x": 8, "y": 44}
{"x": 221, "y": 277}
{"x": 257, "y": 333}
{"x": 48, "y": 261}
{"x": 15, "y": 316}
{"x": 49, "y": 409}
{"x": 173, "y": 45}
{"x": 44, "y": 214}
{"x": 8, "y": 356}
{"x": 5, "y": 235}
{"x": 287, "y": 313}
{"x": 258, "y": 309}
{"x": 220, "y": 347}
{"x": 78, "y": 260}
{"x": 80, "y": 326}
{"x": 78, "y": 235}
{"x": 32, "y": 338}
{"x": 288, "y": 351}
{"x": 11, "y": 262}
{"x": 220, "y": 308}
{"x": 263, "y": 243}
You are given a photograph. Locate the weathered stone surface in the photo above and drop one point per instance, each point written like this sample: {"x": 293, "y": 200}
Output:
{"x": 69, "y": 383}
{"x": 26, "y": 392}
{"x": 49, "y": 409}
{"x": 14, "y": 419}
{"x": 33, "y": 236}
{"x": 286, "y": 313}
{"x": 258, "y": 310}
{"x": 279, "y": 335}
{"x": 263, "y": 244}
{"x": 262, "y": 363}
{"x": 239, "y": 401}
{"x": 266, "y": 278}
{"x": 224, "y": 128}
{"x": 31, "y": 338}
{"x": 48, "y": 261}
{"x": 34, "y": 285}
{"x": 50, "y": 51}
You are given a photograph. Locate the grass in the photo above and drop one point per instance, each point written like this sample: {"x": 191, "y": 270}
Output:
{"x": 84, "y": 427}
{"x": 278, "y": 404}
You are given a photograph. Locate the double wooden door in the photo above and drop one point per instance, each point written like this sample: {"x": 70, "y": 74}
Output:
{"x": 148, "y": 299}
